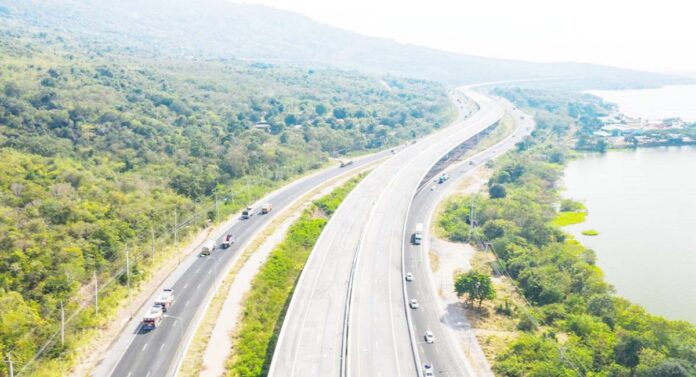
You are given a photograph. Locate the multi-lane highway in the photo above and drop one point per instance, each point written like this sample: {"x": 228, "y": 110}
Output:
{"x": 141, "y": 353}
{"x": 348, "y": 315}
{"x": 445, "y": 354}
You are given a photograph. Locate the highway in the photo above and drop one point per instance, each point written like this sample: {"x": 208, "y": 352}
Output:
{"x": 141, "y": 353}
{"x": 445, "y": 354}
{"x": 348, "y": 315}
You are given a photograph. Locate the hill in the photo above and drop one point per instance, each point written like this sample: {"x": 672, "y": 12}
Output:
{"x": 219, "y": 29}
{"x": 100, "y": 146}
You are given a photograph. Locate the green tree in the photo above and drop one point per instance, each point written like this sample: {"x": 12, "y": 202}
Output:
{"x": 477, "y": 285}
{"x": 497, "y": 191}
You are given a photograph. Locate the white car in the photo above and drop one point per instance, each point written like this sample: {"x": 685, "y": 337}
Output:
{"x": 429, "y": 337}
{"x": 428, "y": 370}
{"x": 413, "y": 303}
{"x": 409, "y": 276}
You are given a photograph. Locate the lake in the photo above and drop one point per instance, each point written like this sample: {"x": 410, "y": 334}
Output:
{"x": 665, "y": 102}
{"x": 643, "y": 203}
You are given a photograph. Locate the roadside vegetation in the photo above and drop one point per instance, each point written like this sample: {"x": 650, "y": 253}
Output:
{"x": 569, "y": 321}
{"x": 102, "y": 146}
{"x": 271, "y": 290}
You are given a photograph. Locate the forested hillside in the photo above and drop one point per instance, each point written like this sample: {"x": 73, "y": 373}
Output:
{"x": 99, "y": 145}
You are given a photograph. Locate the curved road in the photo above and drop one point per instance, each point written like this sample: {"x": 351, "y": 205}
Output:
{"x": 445, "y": 354}
{"x": 141, "y": 353}
{"x": 348, "y": 314}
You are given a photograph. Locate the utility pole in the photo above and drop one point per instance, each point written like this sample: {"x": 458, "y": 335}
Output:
{"x": 128, "y": 282}
{"x": 9, "y": 361}
{"x": 152, "y": 234}
{"x": 217, "y": 211}
{"x": 62, "y": 324}
{"x": 472, "y": 218}
{"x": 96, "y": 294}
{"x": 176, "y": 225}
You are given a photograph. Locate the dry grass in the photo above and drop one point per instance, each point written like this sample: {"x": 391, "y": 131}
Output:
{"x": 495, "y": 330}
{"x": 434, "y": 260}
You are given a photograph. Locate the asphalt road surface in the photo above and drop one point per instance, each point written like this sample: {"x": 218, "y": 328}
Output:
{"x": 142, "y": 353}
{"x": 348, "y": 315}
{"x": 445, "y": 354}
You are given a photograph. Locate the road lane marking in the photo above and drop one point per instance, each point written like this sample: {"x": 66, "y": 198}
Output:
{"x": 198, "y": 286}
{"x": 129, "y": 373}
{"x": 187, "y": 302}
{"x": 198, "y": 269}
{"x": 162, "y": 346}
{"x": 209, "y": 271}
{"x": 145, "y": 346}
{"x": 185, "y": 285}
{"x": 148, "y": 374}
{"x": 175, "y": 322}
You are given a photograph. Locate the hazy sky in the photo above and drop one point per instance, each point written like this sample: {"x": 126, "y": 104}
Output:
{"x": 643, "y": 34}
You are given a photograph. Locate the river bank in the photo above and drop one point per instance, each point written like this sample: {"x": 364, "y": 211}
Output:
{"x": 642, "y": 202}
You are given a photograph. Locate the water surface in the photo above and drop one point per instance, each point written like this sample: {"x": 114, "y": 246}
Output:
{"x": 666, "y": 102}
{"x": 643, "y": 203}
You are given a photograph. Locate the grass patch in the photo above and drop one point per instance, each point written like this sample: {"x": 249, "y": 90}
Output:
{"x": 590, "y": 232}
{"x": 569, "y": 218}
{"x": 271, "y": 290}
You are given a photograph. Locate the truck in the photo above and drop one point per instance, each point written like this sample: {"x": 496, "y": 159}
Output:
{"x": 346, "y": 163}
{"x": 266, "y": 208}
{"x": 227, "y": 241}
{"x": 153, "y": 317}
{"x": 165, "y": 299}
{"x": 208, "y": 247}
{"x": 247, "y": 213}
{"x": 417, "y": 236}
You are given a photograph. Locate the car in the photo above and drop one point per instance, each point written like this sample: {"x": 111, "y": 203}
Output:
{"x": 429, "y": 337}
{"x": 471, "y": 162}
{"x": 413, "y": 303}
{"x": 428, "y": 370}
{"x": 409, "y": 276}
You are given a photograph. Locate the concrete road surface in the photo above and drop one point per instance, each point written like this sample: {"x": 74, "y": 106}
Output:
{"x": 141, "y": 353}
{"x": 445, "y": 354}
{"x": 348, "y": 314}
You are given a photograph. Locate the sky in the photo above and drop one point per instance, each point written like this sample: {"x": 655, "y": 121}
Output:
{"x": 648, "y": 35}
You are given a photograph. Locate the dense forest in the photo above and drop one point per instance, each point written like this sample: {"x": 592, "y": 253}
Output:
{"x": 573, "y": 323}
{"x": 100, "y": 145}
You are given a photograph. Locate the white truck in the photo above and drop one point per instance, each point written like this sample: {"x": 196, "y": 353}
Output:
{"x": 227, "y": 241}
{"x": 208, "y": 247}
{"x": 417, "y": 236}
{"x": 153, "y": 317}
{"x": 165, "y": 299}
{"x": 247, "y": 213}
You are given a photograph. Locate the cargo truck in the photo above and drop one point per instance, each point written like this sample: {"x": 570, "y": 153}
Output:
{"x": 266, "y": 208}
{"x": 417, "y": 236}
{"x": 153, "y": 317}
{"x": 208, "y": 247}
{"x": 247, "y": 213}
{"x": 165, "y": 299}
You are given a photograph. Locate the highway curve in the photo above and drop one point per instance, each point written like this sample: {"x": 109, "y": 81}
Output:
{"x": 348, "y": 315}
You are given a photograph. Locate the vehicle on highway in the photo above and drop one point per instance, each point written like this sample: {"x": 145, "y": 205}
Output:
{"x": 443, "y": 178}
{"x": 227, "y": 241}
{"x": 417, "y": 236}
{"x": 409, "y": 276}
{"x": 153, "y": 317}
{"x": 346, "y": 163}
{"x": 428, "y": 370}
{"x": 413, "y": 303}
{"x": 471, "y": 162}
{"x": 165, "y": 299}
{"x": 247, "y": 213}
{"x": 266, "y": 208}
{"x": 208, "y": 247}
{"x": 429, "y": 337}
